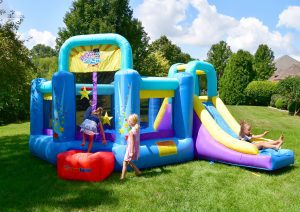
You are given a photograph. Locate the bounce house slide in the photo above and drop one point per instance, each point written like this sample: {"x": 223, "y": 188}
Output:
{"x": 215, "y": 134}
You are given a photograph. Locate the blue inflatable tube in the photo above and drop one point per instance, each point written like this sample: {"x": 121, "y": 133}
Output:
{"x": 102, "y": 89}
{"x": 210, "y": 72}
{"x": 158, "y": 83}
{"x": 45, "y": 87}
{"x": 36, "y": 108}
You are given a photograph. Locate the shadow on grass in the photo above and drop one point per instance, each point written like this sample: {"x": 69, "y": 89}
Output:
{"x": 278, "y": 172}
{"x": 148, "y": 173}
{"x": 29, "y": 183}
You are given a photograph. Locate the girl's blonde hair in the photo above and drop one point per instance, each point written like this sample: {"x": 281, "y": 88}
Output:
{"x": 134, "y": 119}
{"x": 98, "y": 111}
{"x": 243, "y": 124}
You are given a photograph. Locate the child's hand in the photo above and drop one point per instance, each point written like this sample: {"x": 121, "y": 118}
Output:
{"x": 130, "y": 154}
{"x": 104, "y": 141}
{"x": 266, "y": 132}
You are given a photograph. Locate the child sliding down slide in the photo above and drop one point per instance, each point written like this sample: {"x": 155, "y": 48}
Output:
{"x": 246, "y": 135}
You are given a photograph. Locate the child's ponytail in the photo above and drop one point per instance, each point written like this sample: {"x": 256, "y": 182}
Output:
{"x": 242, "y": 122}
{"x": 134, "y": 120}
{"x": 137, "y": 126}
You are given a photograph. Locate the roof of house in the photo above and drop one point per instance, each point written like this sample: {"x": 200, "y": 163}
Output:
{"x": 286, "y": 66}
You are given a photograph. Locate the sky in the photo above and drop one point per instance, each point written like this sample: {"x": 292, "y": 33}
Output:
{"x": 193, "y": 25}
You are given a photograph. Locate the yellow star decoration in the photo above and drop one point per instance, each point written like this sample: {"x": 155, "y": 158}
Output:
{"x": 121, "y": 131}
{"x": 84, "y": 93}
{"x": 106, "y": 119}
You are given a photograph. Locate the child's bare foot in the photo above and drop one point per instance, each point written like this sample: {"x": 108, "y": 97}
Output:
{"x": 281, "y": 137}
{"x": 278, "y": 146}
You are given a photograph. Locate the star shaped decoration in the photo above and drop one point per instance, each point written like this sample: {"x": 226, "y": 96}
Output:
{"x": 106, "y": 119}
{"x": 84, "y": 93}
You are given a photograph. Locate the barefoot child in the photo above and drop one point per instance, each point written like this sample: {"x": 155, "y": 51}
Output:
{"x": 89, "y": 128}
{"x": 246, "y": 135}
{"x": 133, "y": 146}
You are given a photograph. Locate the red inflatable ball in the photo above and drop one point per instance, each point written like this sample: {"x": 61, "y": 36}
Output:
{"x": 79, "y": 165}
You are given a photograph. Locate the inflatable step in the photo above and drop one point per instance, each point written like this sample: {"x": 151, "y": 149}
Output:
{"x": 80, "y": 165}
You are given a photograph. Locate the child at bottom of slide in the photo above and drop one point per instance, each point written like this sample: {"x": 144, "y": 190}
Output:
{"x": 246, "y": 135}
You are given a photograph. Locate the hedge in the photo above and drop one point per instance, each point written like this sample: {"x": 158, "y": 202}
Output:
{"x": 260, "y": 92}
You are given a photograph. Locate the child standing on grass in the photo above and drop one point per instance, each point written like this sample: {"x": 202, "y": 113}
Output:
{"x": 246, "y": 135}
{"x": 89, "y": 128}
{"x": 133, "y": 146}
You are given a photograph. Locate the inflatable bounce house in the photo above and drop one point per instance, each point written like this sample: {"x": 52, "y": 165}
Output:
{"x": 181, "y": 124}
{"x": 167, "y": 138}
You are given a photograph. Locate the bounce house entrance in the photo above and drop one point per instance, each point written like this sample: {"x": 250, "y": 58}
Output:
{"x": 156, "y": 118}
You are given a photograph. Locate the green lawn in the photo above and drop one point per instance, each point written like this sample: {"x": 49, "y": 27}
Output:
{"x": 28, "y": 183}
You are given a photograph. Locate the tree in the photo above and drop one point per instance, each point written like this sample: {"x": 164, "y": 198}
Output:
{"x": 218, "y": 56}
{"x": 169, "y": 50}
{"x": 156, "y": 65}
{"x": 162, "y": 53}
{"x": 264, "y": 62}
{"x": 290, "y": 89}
{"x": 16, "y": 71}
{"x": 45, "y": 67}
{"x": 105, "y": 16}
{"x": 41, "y": 51}
{"x": 237, "y": 75}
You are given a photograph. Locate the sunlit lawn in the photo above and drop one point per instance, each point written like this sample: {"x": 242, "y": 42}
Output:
{"x": 28, "y": 183}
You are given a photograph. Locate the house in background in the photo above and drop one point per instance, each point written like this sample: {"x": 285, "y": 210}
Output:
{"x": 286, "y": 66}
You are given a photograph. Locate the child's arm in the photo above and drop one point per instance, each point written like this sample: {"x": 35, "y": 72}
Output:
{"x": 260, "y": 135}
{"x": 131, "y": 140}
{"x": 103, "y": 134}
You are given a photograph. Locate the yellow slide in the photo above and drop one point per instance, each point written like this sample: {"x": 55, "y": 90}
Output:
{"x": 230, "y": 120}
{"x": 216, "y": 131}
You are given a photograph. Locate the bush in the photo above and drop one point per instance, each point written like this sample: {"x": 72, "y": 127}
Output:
{"x": 274, "y": 98}
{"x": 290, "y": 89}
{"x": 293, "y": 108}
{"x": 260, "y": 92}
{"x": 281, "y": 103}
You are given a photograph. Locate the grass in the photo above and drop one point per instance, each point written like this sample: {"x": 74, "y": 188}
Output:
{"x": 30, "y": 184}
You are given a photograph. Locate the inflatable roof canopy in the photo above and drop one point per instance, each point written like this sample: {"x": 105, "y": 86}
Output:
{"x": 95, "y": 58}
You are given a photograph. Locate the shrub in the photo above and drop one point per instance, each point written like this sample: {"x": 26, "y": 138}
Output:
{"x": 260, "y": 92}
{"x": 274, "y": 98}
{"x": 293, "y": 107}
{"x": 281, "y": 103}
{"x": 290, "y": 89}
